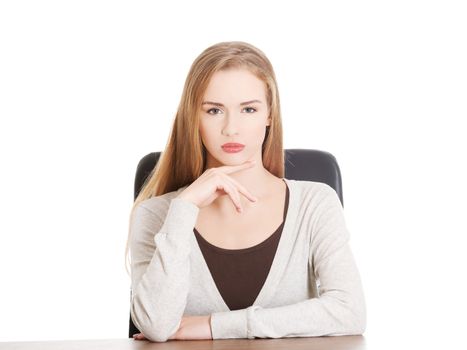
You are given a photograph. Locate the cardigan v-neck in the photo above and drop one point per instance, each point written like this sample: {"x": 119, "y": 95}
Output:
{"x": 313, "y": 287}
{"x": 247, "y": 268}
{"x": 275, "y": 271}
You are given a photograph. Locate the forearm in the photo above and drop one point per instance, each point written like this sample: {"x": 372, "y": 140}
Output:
{"x": 339, "y": 310}
{"x": 160, "y": 286}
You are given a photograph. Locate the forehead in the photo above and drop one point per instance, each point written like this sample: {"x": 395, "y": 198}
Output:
{"x": 235, "y": 86}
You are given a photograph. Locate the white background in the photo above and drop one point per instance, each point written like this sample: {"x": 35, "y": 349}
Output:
{"x": 87, "y": 88}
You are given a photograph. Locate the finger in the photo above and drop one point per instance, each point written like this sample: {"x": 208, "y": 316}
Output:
{"x": 242, "y": 189}
{"x": 229, "y": 169}
{"x": 233, "y": 194}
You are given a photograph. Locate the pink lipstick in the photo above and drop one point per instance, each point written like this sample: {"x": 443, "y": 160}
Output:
{"x": 232, "y": 147}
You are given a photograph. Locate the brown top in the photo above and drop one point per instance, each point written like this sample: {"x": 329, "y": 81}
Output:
{"x": 239, "y": 274}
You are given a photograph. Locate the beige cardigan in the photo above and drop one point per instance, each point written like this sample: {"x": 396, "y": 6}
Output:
{"x": 313, "y": 287}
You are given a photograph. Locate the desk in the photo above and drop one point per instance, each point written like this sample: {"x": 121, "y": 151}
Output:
{"x": 347, "y": 342}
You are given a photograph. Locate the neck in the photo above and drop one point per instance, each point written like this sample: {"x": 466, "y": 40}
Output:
{"x": 257, "y": 180}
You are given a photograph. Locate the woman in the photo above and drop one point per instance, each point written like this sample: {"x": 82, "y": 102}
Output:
{"x": 222, "y": 245}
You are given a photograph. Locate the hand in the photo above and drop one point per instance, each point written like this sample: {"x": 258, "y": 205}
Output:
{"x": 139, "y": 336}
{"x": 194, "y": 328}
{"x": 216, "y": 182}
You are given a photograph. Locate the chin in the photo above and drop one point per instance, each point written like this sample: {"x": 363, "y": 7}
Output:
{"x": 222, "y": 162}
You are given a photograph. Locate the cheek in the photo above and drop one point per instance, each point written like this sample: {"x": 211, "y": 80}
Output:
{"x": 256, "y": 134}
{"x": 203, "y": 131}
{"x": 207, "y": 135}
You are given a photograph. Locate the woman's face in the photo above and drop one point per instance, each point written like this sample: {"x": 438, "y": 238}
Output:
{"x": 234, "y": 110}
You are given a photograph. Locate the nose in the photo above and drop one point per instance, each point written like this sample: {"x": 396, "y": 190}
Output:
{"x": 230, "y": 127}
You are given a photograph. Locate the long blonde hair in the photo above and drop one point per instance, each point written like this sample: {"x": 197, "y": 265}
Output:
{"x": 184, "y": 157}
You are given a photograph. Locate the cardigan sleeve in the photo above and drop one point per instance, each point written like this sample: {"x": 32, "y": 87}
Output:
{"x": 160, "y": 266}
{"x": 338, "y": 310}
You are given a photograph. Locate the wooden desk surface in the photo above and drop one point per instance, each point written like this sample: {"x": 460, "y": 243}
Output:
{"x": 351, "y": 342}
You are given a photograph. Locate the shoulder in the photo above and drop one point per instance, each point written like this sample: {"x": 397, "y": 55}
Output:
{"x": 149, "y": 215}
{"x": 308, "y": 189}
{"x": 160, "y": 204}
{"x": 312, "y": 196}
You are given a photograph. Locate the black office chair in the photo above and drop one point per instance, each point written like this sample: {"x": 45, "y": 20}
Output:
{"x": 300, "y": 164}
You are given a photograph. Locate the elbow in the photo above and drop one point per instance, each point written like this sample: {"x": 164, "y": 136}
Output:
{"x": 156, "y": 332}
{"x": 158, "y": 337}
{"x": 155, "y": 336}
{"x": 159, "y": 330}
{"x": 352, "y": 317}
{"x": 357, "y": 325}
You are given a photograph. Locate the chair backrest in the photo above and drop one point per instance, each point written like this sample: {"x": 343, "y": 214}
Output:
{"x": 300, "y": 164}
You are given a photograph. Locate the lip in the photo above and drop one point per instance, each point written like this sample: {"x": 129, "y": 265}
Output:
{"x": 232, "y": 147}
{"x": 232, "y": 144}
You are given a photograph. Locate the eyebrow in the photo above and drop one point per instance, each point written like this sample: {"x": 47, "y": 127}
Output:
{"x": 221, "y": 105}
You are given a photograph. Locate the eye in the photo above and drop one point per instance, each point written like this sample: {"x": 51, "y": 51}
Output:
{"x": 212, "y": 109}
{"x": 217, "y": 109}
{"x": 254, "y": 109}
